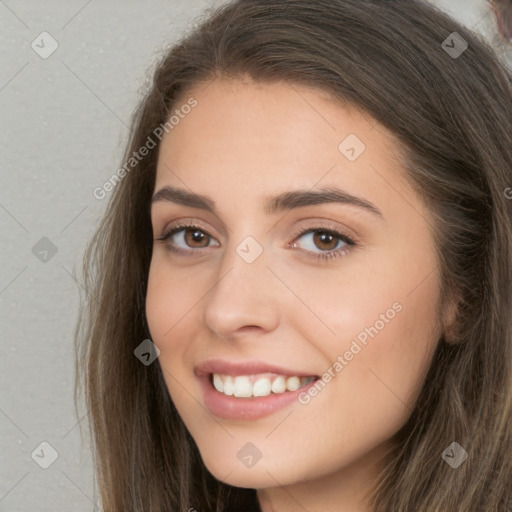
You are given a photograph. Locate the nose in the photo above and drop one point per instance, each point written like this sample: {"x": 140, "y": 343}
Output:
{"x": 245, "y": 295}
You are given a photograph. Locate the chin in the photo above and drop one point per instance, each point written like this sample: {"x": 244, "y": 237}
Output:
{"x": 228, "y": 468}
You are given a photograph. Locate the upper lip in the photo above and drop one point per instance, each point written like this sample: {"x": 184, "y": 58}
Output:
{"x": 252, "y": 367}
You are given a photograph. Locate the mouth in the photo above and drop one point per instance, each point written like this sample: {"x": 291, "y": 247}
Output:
{"x": 251, "y": 390}
{"x": 263, "y": 384}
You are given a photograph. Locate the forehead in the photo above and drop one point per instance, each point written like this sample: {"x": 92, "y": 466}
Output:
{"x": 269, "y": 108}
{"x": 253, "y": 138}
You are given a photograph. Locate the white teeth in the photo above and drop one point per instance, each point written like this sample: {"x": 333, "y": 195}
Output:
{"x": 262, "y": 387}
{"x": 229, "y": 387}
{"x": 217, "y": 382}
{"x": 292, "y": 383}
{"x": 245, "y": 386}
{"x": 279, "y": 385}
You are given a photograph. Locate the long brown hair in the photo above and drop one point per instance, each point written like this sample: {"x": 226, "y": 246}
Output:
{"x": 450, "y": 107}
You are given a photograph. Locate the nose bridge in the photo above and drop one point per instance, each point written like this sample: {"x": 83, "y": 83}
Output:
{"x": 244, "y": 292}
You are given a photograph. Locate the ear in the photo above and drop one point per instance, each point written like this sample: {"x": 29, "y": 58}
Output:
{"x": 451, "y": 322}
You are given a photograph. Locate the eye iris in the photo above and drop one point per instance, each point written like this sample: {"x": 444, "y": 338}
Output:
{"x": 197, "y": 236}
{"x": 322, "y": 236}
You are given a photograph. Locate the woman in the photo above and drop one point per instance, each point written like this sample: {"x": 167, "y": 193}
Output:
{"x": 258, "y": 370}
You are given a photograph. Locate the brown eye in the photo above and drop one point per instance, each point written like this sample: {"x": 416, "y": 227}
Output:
{"x": 324, "y": 240}
{"x": 181, "y": 238}
{"x": 324, "y": 243}
{"x": 195, "y": 236}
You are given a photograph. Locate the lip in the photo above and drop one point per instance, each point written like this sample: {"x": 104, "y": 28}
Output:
{"x": 244, "y": 368}
{"x": 248, "y": 409}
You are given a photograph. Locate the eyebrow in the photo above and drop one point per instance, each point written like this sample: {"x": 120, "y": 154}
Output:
{"x": 274, "y": 204}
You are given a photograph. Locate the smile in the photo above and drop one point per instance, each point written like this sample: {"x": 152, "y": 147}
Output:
{"x": 248, "y": 390}
{"x": 246, "y": 386}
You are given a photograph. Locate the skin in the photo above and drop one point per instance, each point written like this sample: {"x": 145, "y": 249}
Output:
{"x": 245, "y": 141}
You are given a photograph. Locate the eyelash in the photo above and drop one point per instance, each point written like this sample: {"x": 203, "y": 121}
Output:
{"x": 323, "y": 257}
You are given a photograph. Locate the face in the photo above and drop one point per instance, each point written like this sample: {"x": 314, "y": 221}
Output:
{"x": 341, "y": 287}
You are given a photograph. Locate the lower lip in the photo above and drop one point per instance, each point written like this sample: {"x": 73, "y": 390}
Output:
{"x": 232, "y": 408}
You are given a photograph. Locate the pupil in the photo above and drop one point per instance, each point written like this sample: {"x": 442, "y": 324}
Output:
{"x": 197, "y": 236}
{"x": 324, "y": 237}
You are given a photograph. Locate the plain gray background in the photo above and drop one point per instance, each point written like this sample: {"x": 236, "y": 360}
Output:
{"x": 63, "y": 127}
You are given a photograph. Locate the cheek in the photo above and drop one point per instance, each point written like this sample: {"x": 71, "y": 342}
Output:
{"x": 386, "y": 345}
{"x": 173, "y": 304}
{"x": 167, "y": 310}
{"x": 380, "y": 341}
{"x": 170, "y": 299}
{"x": 160, "y": 304}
